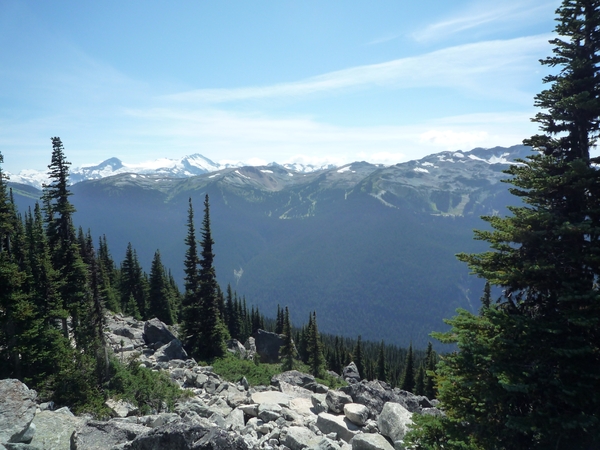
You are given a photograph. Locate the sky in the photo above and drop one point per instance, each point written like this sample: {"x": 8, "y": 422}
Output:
{"x": 286, "y": 81}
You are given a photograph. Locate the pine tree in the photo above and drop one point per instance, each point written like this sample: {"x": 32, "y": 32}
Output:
{"x": 133, "y": 285}
{"x": 527, "y": 373}
{"x": 314, "y": 348}
{"x": 159, "y": 295}
{"x": 430, "y": 364}
{"x": 288, "y": 350}
{"x": 212, "y": 331}
{"x": 359, "y": 358}
{"x": 191, "y": 305}
{"x": 408, "y": 378}
{"x": 381, "y": 367}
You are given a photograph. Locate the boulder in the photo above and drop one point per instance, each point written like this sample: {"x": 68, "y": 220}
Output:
{"x": 276, "y": 397}
{"x": 181, "y": 435}
{"x": 394, "y": 421}
{"x": 156, "y": 333}
{"x": 268, "y": 345}
{"x": 319, "y": 403}
{"x": 342, "y": 427}
{"x": 234, "y": 346}
{"x": 294, "y": 391}
{"x": 95, "y": 435}
{"x": 173, "y": 350}
{"x": 250, "y": 347}
{"x": 371, "y": 442}
{"x": 356, "y": 413}
{"x": 299, "y": 438}
{"x": 53, "y": 430}
{"x": 374, "y": 394}
{"x": 350, "y": 373}
{"x": 17, "y": 410}
{"x": 292, "y": 377}
{"x": 336, "y": 400}
{"x": 121, "y": 408}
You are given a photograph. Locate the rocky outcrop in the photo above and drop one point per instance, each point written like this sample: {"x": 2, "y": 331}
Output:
{"x": 294, "y": 412}
{"x": 268, "y": 345}
{"x": 17, "y": 410}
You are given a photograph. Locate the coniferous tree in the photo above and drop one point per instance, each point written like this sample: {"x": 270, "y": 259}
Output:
{"x": 212, "y": 331}
{"x": 408, "y": 378}
{"x": 288, "y": 350}
{"x": 431, "y": 362}
{"x": 316, "y": 360}
{"x": 132, "y": 285}
{"x": 191, "y": 308}
{"x": 358, "y": 357}
{"x": 381, "y": 369}
{"x": 159, "y": 295}
{"x": 527, "y": 371}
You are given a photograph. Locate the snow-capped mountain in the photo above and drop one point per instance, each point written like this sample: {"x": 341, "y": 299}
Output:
{"x": 187, "y": 166}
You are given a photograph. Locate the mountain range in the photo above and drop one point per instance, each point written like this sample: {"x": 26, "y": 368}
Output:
{"x": 187, "y": 166}
{"x": 370, "y": 248}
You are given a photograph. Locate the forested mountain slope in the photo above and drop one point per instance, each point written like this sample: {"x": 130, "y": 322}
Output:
{"x": 370, "y": 248}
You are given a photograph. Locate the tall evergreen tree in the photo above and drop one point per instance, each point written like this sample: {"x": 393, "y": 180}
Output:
{"x": 159, "y": 295}
{"x": 288, "y": 350}
{"x": 316, "y": 360}
{"x": 381, "y": 367}
{"x": 359, "y": 357}
{"x": 527, "y": 373}
{"x": 408, "y": 378}
{"x": 132, "y": 285}
{"x": 212, "y": 333}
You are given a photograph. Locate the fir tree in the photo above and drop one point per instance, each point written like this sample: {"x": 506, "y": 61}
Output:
{"x": 212, "y": 331}
{"x": 159, "y": 295}
{"x": 408, "y": 379}
{"x": 191, "y": 310}
{"x": 381, "y": 369}
{"x": 527, "y": 373}
{"x": 358, "y": 357}
{"x": 316, "y": 360}
{"x": 288, "y": 350}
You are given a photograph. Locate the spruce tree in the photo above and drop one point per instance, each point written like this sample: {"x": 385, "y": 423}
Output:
{"x": 359, "y": 358}
{"x": 212, "y": 331}
{"x": 316, "y": 360}
{"x": 191, "y": 305}
{"x": 408, "y": 378}
{"x": 381, "y": 366}
{"x": 527, "y": 371}
{"x": 288, "y": 350}
{"x": 159, "y": 295}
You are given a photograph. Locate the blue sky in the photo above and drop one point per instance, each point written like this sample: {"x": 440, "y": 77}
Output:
{"x": 302, "y": 81}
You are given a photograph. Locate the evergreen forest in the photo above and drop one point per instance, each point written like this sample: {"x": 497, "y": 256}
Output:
{"x": 522, "y": 373}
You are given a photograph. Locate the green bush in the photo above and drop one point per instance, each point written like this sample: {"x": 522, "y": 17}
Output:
{"x": 231, "y": 368}
{"x": 146, "y": 389}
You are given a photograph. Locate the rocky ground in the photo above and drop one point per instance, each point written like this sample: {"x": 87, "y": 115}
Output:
{"x": 294, "y": 412}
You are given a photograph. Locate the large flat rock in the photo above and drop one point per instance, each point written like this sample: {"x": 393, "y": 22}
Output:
{"x": 17, "y": 410}
{"x": 273, "y": 397}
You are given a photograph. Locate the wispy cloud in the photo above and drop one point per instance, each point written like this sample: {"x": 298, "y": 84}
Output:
{"x": 482, "y": 14}
{"x": 480, "y": 67}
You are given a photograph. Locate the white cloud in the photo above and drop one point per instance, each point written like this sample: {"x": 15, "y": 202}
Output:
{"x": 480, "y": 15}
{"x": 488, "y": 68}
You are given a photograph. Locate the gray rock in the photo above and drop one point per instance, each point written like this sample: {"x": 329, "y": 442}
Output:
{"x": 294, "y": 391}
{"x": 53, "y": 430}
{"x": 173, "y": 350}
{"x": 179, "y": 435}
{"x": 17, "y": 410}
{"x": 96, "y": 435}
{"x": 374, "y": 394}
{"x": 234, "y": 346}
{"x": 250, "y": 347}
{"x": 121, "y": 408}
{"x": 356, "y": 413}
{"x": 344, "y": 429}
{"x": 292, "y": 377}
{"x": 394, "y": 420}
{"x": 319, "y": 403}
{"x": 268, "y": 345}
{"x": 299, "y": 438}
{"x": 276, "y": 397}
{"x": 235, "y": 419}
{"x": 156, "y": 332}
{"x": 350, "y": 373}
{"x": 336, "y": 400}
{"x": 268, "y": 412}
{"x": 371, "y": 442}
